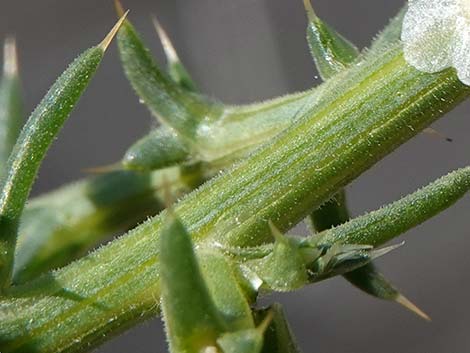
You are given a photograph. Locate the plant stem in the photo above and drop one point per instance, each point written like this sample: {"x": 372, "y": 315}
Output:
{"x": 67, "y": 222}
{"x": 370, "y": 110}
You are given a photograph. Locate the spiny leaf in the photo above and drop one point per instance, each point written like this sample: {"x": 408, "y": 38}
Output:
{"x": 159, "y": 149}
{"x": 331, "y": 52}
{"x": 369, "y": 280}
{"x": 191, "y": 318}
{"x": 34, "y": 141}
{"x": 291, "y": 263}
{"x": 350, "y": 257}
{"x": 176, "y": 69}
{"x": 380, "y": 226}
{"x": 340, "y": 259}
{"x": 365, "y": 278}
{"x": 214, "y": 133}
{"x": 11, "y": 112}
{"x": 167, "y": 101}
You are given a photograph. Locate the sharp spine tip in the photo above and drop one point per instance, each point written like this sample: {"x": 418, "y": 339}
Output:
{"x": 119, "y": 8}
{"x": 10, "y": 57}
{"x": 384, "y": 251}
{"x": 168, "y": 47}
{"x": 434, "y": 132}
{"x": 402, "y": 300}
{"x": 309, "y": 8}
{"x": 109, "y": 37}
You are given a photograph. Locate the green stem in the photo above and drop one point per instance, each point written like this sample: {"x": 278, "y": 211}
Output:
{"x": 63, "y": 224}
{"x": 371, "y": 110}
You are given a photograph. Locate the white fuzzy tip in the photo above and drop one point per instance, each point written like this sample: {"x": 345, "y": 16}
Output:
{"x": 436, "y": 36}
{"x": 10, "y": 57}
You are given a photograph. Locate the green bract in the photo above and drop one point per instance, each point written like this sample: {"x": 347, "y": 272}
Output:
{"x": 191, "y": 317}
{"x": 284, "y": 268}
{"x": 210, "y": 131}
{"x": 170, "y": 103}
{"x": 331, "y": 51}
{"x": 232, "y": 302}
{"x": 161, "y": 148}
{"x": 369, "y": 280}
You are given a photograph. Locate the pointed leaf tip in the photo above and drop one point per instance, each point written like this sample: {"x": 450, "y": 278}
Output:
{"x": 376, "y": 253}
{"x": 402, "y": 300}
{"x": 119, "y": 8}
{"x": 168, "y": 47}
{"x": 331, "y": 51}
{"x": 309, "y": 9}
{"x": 176, "y": 69}
{"x": 10, "y": 57}
{"x": 109, "y": 37}
{"x": 438, "y": 134}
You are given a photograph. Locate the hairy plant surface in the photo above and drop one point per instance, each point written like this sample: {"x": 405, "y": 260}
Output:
{"x": 243, "y": 177}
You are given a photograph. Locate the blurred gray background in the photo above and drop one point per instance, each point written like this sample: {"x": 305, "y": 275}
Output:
{"x": 241, "y": 51}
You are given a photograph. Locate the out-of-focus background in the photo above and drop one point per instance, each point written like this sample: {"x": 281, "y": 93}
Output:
{"x": 242, "y": 51}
